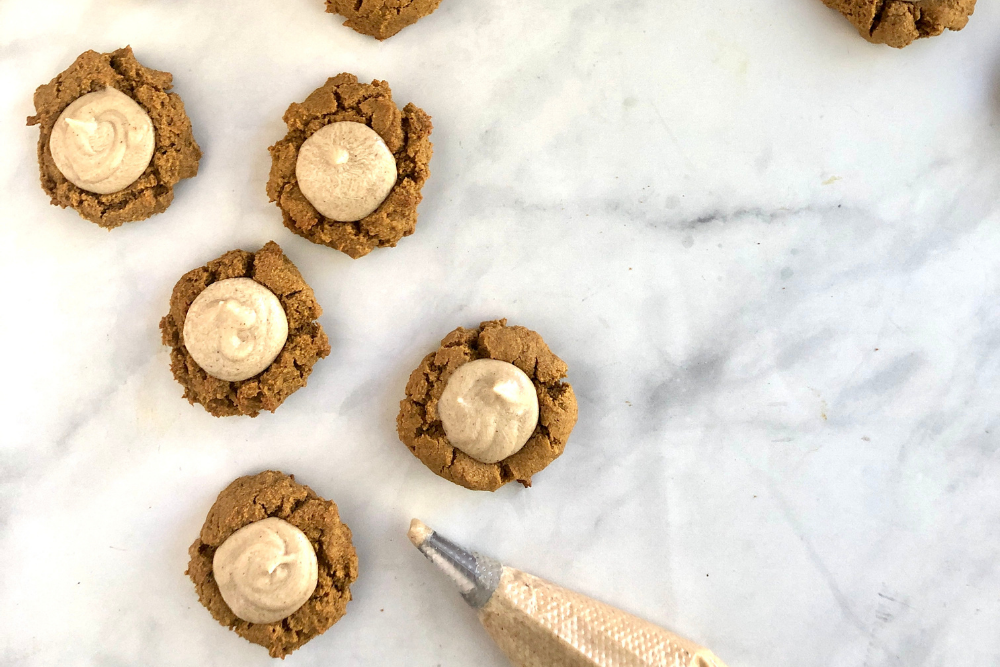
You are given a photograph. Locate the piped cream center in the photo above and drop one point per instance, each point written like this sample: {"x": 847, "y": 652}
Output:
{"x": 235, "y": 329}
{"x": 345, "y": 170}
{"x": 266, "y": 570}
{"x": 103, "y": 142}
{"x": 489, "y": 409}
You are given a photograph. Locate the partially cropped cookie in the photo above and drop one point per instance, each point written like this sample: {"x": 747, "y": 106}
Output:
{"x": 348, "y": 173}
{"x": 113, "y": 141}
{"x": 381, "y": 18}
{"x": 488, "y": 407}
{"x": 243, "y": 332}
{"x": 273, "y": 562}
{"x": 899, "y": 23}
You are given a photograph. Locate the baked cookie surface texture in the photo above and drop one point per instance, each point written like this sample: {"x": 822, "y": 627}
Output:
{"x": 381, "y": 19}
{"x": 899, "y": 23}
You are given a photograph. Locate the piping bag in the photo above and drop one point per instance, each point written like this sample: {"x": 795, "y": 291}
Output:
{"x": 538, "y": 624}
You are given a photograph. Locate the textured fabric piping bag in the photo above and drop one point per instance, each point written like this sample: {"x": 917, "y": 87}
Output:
{"x": 538, "y": 624}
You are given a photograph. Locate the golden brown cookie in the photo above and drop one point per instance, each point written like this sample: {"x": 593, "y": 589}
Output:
{"x": 274, "y": 494}
{"x": 406, "y": 133}
{"x": 306, "y": 343}
{"x": 175, "y": 155}
{"x": 381, "y": 18}
{"x": 420, "y": 428}
{"x": 899, "y": 22}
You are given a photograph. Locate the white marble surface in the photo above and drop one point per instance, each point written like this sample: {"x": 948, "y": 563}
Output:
{"x": 767, "y": 250}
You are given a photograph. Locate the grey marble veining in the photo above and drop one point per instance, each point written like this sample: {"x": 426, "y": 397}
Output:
{"x": 767, "y": 250}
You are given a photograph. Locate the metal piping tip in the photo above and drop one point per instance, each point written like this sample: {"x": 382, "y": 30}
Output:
{"x": 418, "y": 532}
{"x": 476, "y": 576}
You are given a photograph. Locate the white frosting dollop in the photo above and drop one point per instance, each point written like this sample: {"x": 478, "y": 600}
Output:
{"x": 235, "y": 328}
{"x": 345, "y": 170}
{"x": 103, "y": 141}
{"x": 489, "y": 409}
{"x": 266, "y": 570}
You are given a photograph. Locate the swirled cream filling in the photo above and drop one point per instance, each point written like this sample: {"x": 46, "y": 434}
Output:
{"x": 489, "y": 409}
{"x": 235, "y": 328}
{"x": 345, "y": 170}
{"x": 266, "y": 570}
{"x": 103, "y": 142}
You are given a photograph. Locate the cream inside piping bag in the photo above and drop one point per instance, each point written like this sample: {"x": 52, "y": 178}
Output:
{"x": 539, "y": 624}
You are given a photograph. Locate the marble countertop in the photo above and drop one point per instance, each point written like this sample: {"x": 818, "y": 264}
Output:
{"x": 767, "y": 250}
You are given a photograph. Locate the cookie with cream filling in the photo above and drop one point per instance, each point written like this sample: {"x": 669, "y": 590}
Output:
{"x": 118, "y": 186}
{"x": 406, "y": 135}
{"x": 250, "y": 502}
{"x": 304, "y": 344}
{"x": 419, "y": 422}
